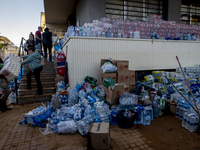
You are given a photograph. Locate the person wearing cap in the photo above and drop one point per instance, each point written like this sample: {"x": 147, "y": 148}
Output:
{"x": 33, "y": 59}
{"x": 38, "y": 40}
{"x": 5, "y": 91}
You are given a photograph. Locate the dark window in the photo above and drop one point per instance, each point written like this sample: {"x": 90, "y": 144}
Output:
{"x": 190, "y": 14}
{"x": 133, "y": 9}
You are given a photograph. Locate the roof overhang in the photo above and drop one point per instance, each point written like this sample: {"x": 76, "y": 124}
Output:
{"x": 57, "y": 11}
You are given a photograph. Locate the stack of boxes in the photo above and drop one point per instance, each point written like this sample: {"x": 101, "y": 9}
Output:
{"x": 123, "y": 75}
{"x": 58, "y": 77}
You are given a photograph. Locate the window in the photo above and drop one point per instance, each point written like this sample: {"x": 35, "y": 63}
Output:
{"x": 190, "y": 14}
{"x": 133, "y": 9}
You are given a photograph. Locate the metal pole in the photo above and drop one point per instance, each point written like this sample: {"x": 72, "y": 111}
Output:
{"x": 178, "y": 91}
{"x": 188, "y": 85}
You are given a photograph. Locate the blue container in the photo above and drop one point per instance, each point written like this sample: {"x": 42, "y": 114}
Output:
{"x": 61, "y": 63}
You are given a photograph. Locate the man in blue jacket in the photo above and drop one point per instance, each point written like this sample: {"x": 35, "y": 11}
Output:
{"x": 33, "y": 59}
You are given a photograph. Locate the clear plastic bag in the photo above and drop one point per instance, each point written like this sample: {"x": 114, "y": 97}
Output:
{"x": 12, "y": 98}
{"x": 64, "y": 127}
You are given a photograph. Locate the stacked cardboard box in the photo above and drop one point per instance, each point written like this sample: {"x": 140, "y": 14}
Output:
{"x": 123, "y": 75}
{"x": 57, "y": 77}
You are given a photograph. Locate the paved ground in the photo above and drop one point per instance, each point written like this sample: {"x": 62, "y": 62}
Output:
{"x": 156, "y": 136}
{"x": 14, "y": 136}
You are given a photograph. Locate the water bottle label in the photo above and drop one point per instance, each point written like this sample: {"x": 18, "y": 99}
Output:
{"x": 147, "y": 117}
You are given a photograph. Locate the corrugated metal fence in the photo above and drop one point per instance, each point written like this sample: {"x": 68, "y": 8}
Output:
{"x": 84, "y": 55}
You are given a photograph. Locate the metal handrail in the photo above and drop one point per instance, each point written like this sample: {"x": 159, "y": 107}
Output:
{"x": 21, "y": 52}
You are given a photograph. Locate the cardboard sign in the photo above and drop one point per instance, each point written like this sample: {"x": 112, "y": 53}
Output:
{"x": 108, "y": 75}
{"x": 113, "y": 95}
{"x": 99, "y": 136}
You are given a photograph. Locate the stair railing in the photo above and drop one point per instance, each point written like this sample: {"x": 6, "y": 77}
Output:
{"x": 21, "y": 52}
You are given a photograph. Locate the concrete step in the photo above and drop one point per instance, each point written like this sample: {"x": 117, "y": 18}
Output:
{"x": 43, "y": 74}
{"x": 34, "y": 98}
{"x": 45, "y": 66}
{"x": 23, "y": 92}
{"x": 45, "y": 70}
{"x": 43, "y": 79}
{"x": 34, "y": 85}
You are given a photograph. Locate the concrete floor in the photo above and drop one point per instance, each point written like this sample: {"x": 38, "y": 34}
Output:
{"x": 14, "y": 136}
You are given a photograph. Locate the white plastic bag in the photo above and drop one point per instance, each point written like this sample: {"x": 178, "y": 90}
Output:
{"x": 54, "y": 40}
{"x": 64, "y": 127}
{"x": 12, "y": 98}
{"x": 108, "y": 67}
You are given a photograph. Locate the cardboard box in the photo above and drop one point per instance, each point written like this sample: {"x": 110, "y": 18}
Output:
{"x": 123, "y": 77}
{"x": 99, "y": 136}
{"x": 131, "y": 76}
{"x": 126, "y": 77}
{"x": 131, "y": 88}
{"x": 108, "y": 75}
{"x": 103, "y": 61}
{"x": 113, "y": 95}
{"x": 122, "y": 65}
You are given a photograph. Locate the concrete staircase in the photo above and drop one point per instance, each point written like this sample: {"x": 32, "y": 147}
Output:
{"x": 47, "y": 77}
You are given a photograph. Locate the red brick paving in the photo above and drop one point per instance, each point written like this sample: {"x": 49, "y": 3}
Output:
{"x": 14, "y": 136}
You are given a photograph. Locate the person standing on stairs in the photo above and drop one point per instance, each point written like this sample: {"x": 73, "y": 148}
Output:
{"x": 33, "y": 59}
{"x": 30, "y": 42}
{"x": 38, "y": 40}
{"x": 5, "y": 91}
{"x": 47, "y": 43}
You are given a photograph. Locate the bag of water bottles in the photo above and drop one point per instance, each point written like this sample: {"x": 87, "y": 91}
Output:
{"x": 12, "y": 98}
{"x": 108, "y": 67}
{"x": 64, "y": 127}
{"x": 61, "y": 86}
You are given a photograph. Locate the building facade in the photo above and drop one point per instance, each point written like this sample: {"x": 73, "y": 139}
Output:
{"x": 60, "y": 14}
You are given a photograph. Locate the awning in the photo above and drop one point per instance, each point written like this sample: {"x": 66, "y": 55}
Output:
{"x": 57, "y": 11}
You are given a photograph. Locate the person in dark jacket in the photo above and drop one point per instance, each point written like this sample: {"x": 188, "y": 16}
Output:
{"x": 30, "y": 42}
{"x": 5, "y": 91}
{"x": 47, "y": 43}
{"x": 33, "y": 59}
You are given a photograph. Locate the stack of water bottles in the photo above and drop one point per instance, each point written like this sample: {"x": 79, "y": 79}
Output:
{"x": 190, "y": 119}
{"x": 154, "y": 27}
{"x": 128, "y": 101}
{"x": 36, "y": 116}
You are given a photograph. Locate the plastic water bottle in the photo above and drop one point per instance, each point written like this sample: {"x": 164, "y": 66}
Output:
{"x": 168, "y": 35}
{"x": 103, "y": 34}
{"x": 181, "y": 36}
{"x": 187, "y": 37}
{"x": 109, "y": 32}
{"x": 84, "y": 31}
{"x": 80, "y": 31}
{"x": 146, "y": 116}
{"x": 156, "y": 108}
{"x": 76, "y": 31}
{"x": 72, "y": 33}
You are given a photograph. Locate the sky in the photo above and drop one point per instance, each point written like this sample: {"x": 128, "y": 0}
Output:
{"x": 19, "y": 18}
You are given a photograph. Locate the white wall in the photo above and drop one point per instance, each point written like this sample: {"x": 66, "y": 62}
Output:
{"x": 84, "y": 55}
